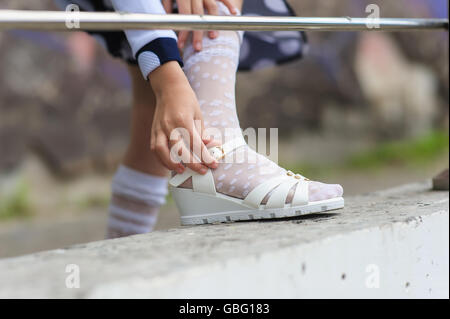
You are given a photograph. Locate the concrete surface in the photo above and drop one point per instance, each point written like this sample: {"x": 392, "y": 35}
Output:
{"x": 59, "y": 218}
{"x": 392, "y": 244}
{"x": 33, "y": 235}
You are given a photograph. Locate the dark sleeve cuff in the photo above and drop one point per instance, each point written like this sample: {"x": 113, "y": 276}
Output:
{"x": 156, "y": 53}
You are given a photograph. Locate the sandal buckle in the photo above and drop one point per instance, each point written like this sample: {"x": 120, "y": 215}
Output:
{"x": 217, "y": 152}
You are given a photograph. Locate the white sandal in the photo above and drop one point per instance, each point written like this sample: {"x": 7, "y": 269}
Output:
{"x": 203, "y": 205}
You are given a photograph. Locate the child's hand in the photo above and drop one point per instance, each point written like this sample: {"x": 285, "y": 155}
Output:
{"x": 197, "y": 7}
{"x": 177, "y": 108}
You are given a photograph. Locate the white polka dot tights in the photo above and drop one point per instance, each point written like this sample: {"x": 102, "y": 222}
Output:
{"x": 212, "y": 74}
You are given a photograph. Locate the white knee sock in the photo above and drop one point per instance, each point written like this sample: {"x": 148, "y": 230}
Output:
{"x": 212, "y": 74}
{"x": 136, "y": 199}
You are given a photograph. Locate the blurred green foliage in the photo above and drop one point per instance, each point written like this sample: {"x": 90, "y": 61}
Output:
{"x": 15, "y": 203}
{"x": 419, "y": 151}
{"x": 94, "y": 201}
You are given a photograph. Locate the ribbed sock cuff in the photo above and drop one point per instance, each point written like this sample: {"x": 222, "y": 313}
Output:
{"x": 149, "y": 189}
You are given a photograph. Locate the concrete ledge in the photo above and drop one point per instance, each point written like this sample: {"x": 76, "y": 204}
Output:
{"x": 388, "y": 244}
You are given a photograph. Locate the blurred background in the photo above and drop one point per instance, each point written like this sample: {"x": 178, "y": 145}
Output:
{"x": 367, "y": 110}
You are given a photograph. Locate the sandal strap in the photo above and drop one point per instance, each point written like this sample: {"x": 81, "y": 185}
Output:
{"x": 279, "y": 188}
{"x": 278, "y": 197}
{"x": 219, "y": 152}
{"x": 205, "y": 183}
{"x": 256, "y": 196}
{"x": 301, "y": 195}
{"x": 200, "y": 183}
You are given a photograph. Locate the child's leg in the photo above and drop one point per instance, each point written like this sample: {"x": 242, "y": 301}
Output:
{"x": 139, "y": 187}
{"x": 212, "y": 74}
{"x": 138, "y": 155}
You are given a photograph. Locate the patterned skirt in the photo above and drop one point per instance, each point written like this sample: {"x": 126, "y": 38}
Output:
{"x": 259, "y": 49}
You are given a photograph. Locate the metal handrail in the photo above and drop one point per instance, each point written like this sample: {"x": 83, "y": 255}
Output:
{"x": 110, "y": 21}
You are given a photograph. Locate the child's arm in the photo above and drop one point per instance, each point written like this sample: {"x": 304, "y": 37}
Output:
{"x": 176, "y": 107}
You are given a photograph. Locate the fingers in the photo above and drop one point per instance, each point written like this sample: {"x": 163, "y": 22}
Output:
{"x": 186, "y": 144}
{"x": 197, "y": 40}
{"x": 197, "y": 8}
{"x": 193, "y": 163}
{"x": 206, "y": 156}
{"x": 230, "y": 6}
{"x": 184, "y": 7}
{"x": 207, "y": 142}
{"x": 182, "y": 38}
{"x": 200, "y": 150}
{"x": 200, "y": 126}
{"x": 180, "y": 151}
{"x": 212, "y": 9}
{"x": 162, "y": 149}
{"x": 168, "y": 5}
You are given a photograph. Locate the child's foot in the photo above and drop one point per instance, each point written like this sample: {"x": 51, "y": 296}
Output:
{"x": 247, "y": 190}
{"x": 244, "y": 169}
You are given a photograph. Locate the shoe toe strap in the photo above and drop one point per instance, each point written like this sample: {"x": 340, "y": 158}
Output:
{"x": 278, "y": 197}
{"x": 256, "y": 196}
{"x": 301, "y": 195}
{"x": 280, "y": 188}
